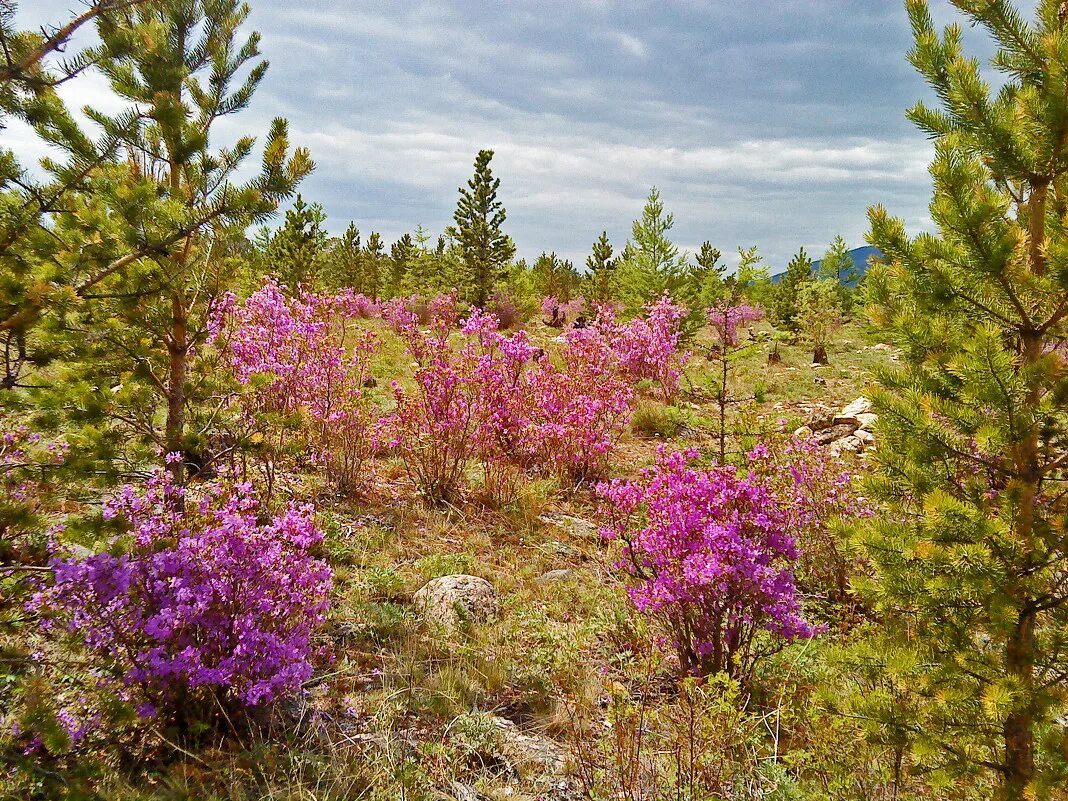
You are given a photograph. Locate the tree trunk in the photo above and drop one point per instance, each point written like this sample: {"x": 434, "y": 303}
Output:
{"x": 177, "y": 353}
{"x": 1019, "y": 723}
{"x": 819, "y": 356}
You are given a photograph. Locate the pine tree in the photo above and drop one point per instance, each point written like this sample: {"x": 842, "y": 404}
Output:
{"x": 479, "y": 216}
{"x": 753, "y": 278}
{"x": 402, "y": 260}
{"x": 601, "y": 271}
{"x": 344, "y": 262}
{"x": 150, "y": 238}
{"x": 653, "y": 264}
{"x": 554, "y": 277}
{"x": 786, "y": 296}
{"x": 838, "y": 266}
{"x": 298, "y": 248}
{"x": 709, "y": 274}
{"x": 970, "y": 557}
{"x": 373, "y": 264}
{"x": 818, "y": 315}
{"x": 34, "y": 267}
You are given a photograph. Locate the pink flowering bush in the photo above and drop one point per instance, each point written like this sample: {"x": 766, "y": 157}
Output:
{"x": 648, "y": 347}
{"x": 558, "y": 313}
{"x": 581, "y": 405}
{"x": 713, "y": 553}
{"x": 434, "y": 425}
{"x": 301, "y": 359}
{"x": 818, "y": 490}
{"x": 502, "y": 400}
{"x": 197, "y": 600}
{"x": 728, "y": 318}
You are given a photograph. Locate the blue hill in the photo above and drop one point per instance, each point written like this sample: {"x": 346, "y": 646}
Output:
{"x": 860, "y": 257}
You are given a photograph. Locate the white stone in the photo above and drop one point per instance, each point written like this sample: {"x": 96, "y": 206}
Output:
{"x": 867, "y": 421}
{"x": 860, "y": 406}
{"x": 450, "y": 600}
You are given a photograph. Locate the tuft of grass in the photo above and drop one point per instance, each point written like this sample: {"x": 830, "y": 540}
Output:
{"x": 653, "y": 419}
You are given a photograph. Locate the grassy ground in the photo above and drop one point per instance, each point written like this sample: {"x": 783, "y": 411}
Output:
{"x": 401, "y": 711}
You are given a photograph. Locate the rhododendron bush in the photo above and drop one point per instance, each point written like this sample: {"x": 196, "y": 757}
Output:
{"x": 302, "y": 356}
{"x": 435, "y": 422}
{"x": 817, "y": 489}
{"x": 196, "y": 599}
{"x": 648, "y": 347}
{"x": 476, "y": 396}
{"x": 482, "y": 396}
{"x": 713, "y": 553}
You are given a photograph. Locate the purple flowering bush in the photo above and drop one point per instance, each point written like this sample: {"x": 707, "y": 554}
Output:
{"x": 713, "y": 555}
{"x": 198, "y": 600}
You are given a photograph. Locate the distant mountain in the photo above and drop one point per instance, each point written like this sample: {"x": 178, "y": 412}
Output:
{"x": 859, "y": 256}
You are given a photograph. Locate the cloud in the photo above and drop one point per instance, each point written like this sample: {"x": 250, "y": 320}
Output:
{"x": 628, "y": 44}
{"x": 769, "y": 122}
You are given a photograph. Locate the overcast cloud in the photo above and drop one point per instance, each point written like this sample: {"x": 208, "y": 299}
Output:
{"x": 767, "y": 122}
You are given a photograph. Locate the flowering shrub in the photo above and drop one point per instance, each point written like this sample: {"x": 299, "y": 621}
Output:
{"x": 502, "y": 399}
{"x": 301, "y": 356}
{"x": 816, "y": 488}
{"x": 559, "y": 313}
{"x": 434, "y": 425}
{"x": 648, "y": 347}
{"x": 203, "y": 601}
{"x": 727, "y": 317}
{"x": 580, "y": 406}
{"x": 713, "y": 553}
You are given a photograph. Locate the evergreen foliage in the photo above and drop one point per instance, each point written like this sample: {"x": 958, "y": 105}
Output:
{"x": 479, "y": 216}
{"x": 785, "y": 302}
{"x": 970, "y": 556}
{"x": 601, "y": 271}
{"x": 555, "y": 277}
{"x": 652, "y": 264}
{"x": 837, "y": 266}
{"x": 147, "y": 240}
{"x": 297, "y": 250}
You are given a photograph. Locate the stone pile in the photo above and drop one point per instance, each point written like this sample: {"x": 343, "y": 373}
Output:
{"x": 848, "y": 429}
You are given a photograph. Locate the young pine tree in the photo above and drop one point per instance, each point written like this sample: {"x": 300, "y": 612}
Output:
{"x": 402, "y": 260}
{"x": 838, "y": 266}
{"x": 709, "y": 274}
{"x": 139, "y": 319}
{"x": 343, "y": 262}
{"x": 652, "y": 263}
{"x": 479, "y": 215}
{"x": 785, "y": 301}
{"x": 297, "y": 251}
{"x": 373, "y": 267}
{"x": 600, "y": 271}
{"x": 970, "y": 558}
{"x": 554, "y": 277}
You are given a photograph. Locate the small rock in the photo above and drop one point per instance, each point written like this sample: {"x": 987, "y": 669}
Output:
{"x": 881, "y": 346}
{"x": 819, "y": 381}
{"x": 865, "y": 436}
{"x": 575, "y": 526}
{"x": 528, "y": 753}
{"x": 851, "y": 444}
{"x": 554, "y": 576}
{"x": 867, "y": 421}
{"x": 860, "y": 406}
{"x": 463, "y": 792}
{"x": 804, "y": 432}
{"x": 449, "y": 600}
{"x": 835, "y": 433}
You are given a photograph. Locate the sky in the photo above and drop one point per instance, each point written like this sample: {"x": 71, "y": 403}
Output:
{"x": 773, "y": 123}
